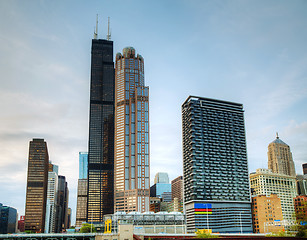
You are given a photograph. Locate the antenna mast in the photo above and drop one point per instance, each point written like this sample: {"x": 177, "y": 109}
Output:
{"x": 109, "y": 33}
{"x": 96, "y": 31}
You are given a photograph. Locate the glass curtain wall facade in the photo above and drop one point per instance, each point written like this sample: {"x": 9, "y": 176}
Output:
{"x": 101, "y": 132}
{"x": 131, "y": 133}
{"x": 216, "y": 181}
{"x": 37, "y": 181}
{"x": 83, "y": 163}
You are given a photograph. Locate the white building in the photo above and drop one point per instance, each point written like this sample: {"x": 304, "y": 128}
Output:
{"x": 264, "y": 182}
{"x": 51, "y": 202}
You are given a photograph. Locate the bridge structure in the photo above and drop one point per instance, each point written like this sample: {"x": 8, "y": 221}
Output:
{"x": 50, "y": 236}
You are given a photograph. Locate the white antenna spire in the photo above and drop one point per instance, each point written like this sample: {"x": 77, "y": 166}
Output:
{"x": 109, "y": 32}
{"x": 96, "y": 32}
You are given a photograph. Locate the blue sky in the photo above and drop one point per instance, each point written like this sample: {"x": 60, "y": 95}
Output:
{"x": 251, "y": 52}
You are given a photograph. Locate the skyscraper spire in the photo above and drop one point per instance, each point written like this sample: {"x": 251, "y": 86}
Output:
{"x": 109, "y": 31}
{"x": 96, "y": 31}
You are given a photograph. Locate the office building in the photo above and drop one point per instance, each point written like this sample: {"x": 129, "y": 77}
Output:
{"x": 81, "y": 202}
{"x": 8, "y": 219}
{"x": 280, "y": 158}
{"x": 215, "y": 173}
{"x": 62, "y": 205}
{"x": 37, "y": 182}
{"x": 264, "y": 182}
{"x": 161, "y": 177}
{"x": 304, "y": 168}
{"x": 51, "y": 204}
{"x": 177, "y": 188}
{"x": 131, "y": 134}
{"x": 101, "y": 132}
{"x": 83, "y": 165}
{"x": 161, "y": 185}
{"x": 267, "y": 214}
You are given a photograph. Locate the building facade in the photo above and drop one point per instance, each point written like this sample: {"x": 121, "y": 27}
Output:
{"x": 215, "y": 173}
{"x": 8, "y": 219}
{"x": 101, "y": 132}
{"x": 81, "y": 202}
{"x": 51, "y": 204}
{"x": 300, "y": 206}
{"x": 301, "y": 184}
{"x": 62, "y": 205}
{"x": 264, "y": 182}
{"x": 83, "y": 165}
{"x": 304, "y": 168}
{"x": 131, "y": 134}
{"x": 177, "y": 188}
{"x": 37, "y": 182}
{"x": 267, "y": 214}
{"x": 161, "y": 177}
{"x": 280, "y": 158}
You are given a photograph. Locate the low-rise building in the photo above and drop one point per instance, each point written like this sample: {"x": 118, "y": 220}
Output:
{"x": 267, "y": 214}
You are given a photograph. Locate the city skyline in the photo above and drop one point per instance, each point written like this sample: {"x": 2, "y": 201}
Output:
{"x": 256, "y": 49}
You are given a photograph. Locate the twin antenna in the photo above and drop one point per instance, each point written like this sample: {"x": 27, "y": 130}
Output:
{"x": 96, "y": 30}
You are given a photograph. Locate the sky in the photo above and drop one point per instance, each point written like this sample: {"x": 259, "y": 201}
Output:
{"x": 252, "y": 52}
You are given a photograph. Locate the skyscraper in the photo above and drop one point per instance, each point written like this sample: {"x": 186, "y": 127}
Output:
{"x": 51, "y": 204}
{"x": 37, "y": 181}
{"x": 161, "y": 186}
{"x": 131, "y": 133}
{"x": 216, "y": 183}
{"x": 161, "y": 177}
{"x": 101, "y": 132}
{"x": 62, "y": 205}
{"x": 280, "y": 158}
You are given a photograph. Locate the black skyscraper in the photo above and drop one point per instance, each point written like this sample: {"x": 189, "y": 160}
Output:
{"x": 101, "y": 132}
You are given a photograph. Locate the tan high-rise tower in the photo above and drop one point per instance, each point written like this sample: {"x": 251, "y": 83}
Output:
{"x": 131, "y": 155}
{"x": 280, "y": 158}
{"x": 37, "y": 181}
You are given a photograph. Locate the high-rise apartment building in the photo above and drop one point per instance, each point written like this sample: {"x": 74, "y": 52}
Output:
{"x": 280, "y": 158}
{"x": 131, "y": 134}
{"x": 264, "y": 182}
{"x": 51, "y": 204}
{"x": 177, "y": 188}
{"x": 83, "y": 165}
{"x": 37, "y": 181}
{"x": 267, "y": 214}
{"x": 101, "y": 132}
{"x": 215, "y": 173}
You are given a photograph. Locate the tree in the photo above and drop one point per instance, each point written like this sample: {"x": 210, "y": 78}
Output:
{"x": 87, "y": 228}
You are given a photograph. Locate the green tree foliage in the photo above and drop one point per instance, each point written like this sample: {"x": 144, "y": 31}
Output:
{"x": 87, "y": 228}
{"x": 203, "y": 234}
